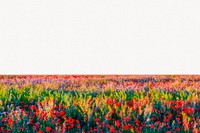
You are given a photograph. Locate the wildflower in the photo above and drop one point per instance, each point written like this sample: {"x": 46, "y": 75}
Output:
{"x": 3, "y": 119}
{"x": 77, "y": 121}
{"x": 117, "y": 123}
{"x": 78, "y": 126}
{"x": 128, "y": 118}
{"x": 48, "y": 129}
{"x": 10, "y": 121}
{"x": 109, "y": 101}
{"x": 151, "y": 126}
{"x": 61, "y": 113}
{"x": 118, "y": 104}
{"x": 152, "y": 118}
{"x": 178, "y": 129}
{"x": 96, "y": 119}
{"x": 178, "y": 119}
{"x": 40, "y": 131}
{"x": 112, "y": 129}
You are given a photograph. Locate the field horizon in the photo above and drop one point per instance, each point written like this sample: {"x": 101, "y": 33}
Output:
{"x": 100, "y": 103}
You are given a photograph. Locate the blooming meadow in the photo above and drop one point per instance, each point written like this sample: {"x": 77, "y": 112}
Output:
{"x": 100, "y": 104}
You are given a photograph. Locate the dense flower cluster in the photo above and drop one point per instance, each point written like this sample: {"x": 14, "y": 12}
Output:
{"x": 100, "y": 103}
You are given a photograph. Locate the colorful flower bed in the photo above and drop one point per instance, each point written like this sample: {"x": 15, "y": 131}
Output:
{"x": 110, "y": 103}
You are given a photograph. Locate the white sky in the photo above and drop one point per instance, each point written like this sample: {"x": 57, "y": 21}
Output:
{"x": 100, "y": 37}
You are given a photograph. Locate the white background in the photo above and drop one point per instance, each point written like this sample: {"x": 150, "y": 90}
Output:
{"x": 100, "y": 37}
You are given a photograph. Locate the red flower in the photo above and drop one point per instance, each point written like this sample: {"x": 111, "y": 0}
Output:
{"x": 117, "y": 123}
{"x": 96, "y": 119}
{"x": 190, "y": 110}
{"x": 109, "y": 101}
{"x": 168, "y": 132}
{"x": 77, "y": 121}
{"x": 137, "y": 124}
{"x": 151, "y": 126}
{"x": 107, "y": 125}
{"x": 61, "y": 113}
{"x": 3, "y": 119}
{"x": 40, "y": 131}
{"x": 72, "y": 125}
{"x": 32, "y": 107}
{"x": 108, "y": 118}
{"x": 118, "y": 104}
{"x": 178, "y": 129}
{"x": 112, "y": 129}
{"x": 48, "y": 129}
{"x": 165, "y": 119}
{"x": 103, "y": 124}
{"x": 10, "y": 121}
{"x": 128, "y": 118}
{"x": 152, "y": 118}
{"x": 78, "y": 126}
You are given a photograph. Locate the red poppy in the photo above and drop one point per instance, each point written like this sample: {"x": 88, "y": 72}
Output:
{"x": 118, "y": 104}
{"x": 61, "y": 113}
{"x": 152, "y": 118}
{"x": 151, "y": 126}
{"x": 77, "y": 121}
{"x": 103, "y": 124}
{"x": 190, "y": 110}
{"x": 96, "y": 119}
{"x": 128, "y": 118}
{"x": 78, "y": 126}
{"x": 178, "y": 119}
{"x": 10, "y": 121}
{"x": 3, "y": 119}
{"x": 109, "y": 101}
{"x": 48, "y": 129}
{"x": 117, "y": 123}
{"x": 112, "y": 129}
{"x": 72, "y": 125}
{"x": 40, "y": 131}
{"x": 178, "y": 129}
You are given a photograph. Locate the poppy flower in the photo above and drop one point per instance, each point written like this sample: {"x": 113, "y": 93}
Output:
{"x": 10, "y": 121}
{"x": 112, "y": 129}
{"x": 40, "y": 131}
{"x": 4, "y": 119}
{"x": 96, "y": 119}
{"x": 117, "y": 123}
{"x": 77, "y": 121}
{"x": 78, "y": 126}
{"x": 109, "y": 101}
{"x": 61, "y": 113}
{"x": 48, "y": 129}
{"x": 178, "y": 129}
{"x": 151, "y": 126}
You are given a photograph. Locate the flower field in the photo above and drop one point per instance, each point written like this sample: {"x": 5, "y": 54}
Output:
{"x": 100, "y": 104}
